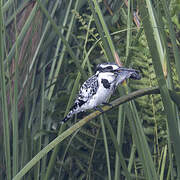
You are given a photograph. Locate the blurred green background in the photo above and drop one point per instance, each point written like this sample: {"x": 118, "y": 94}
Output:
{"x": 48, "y": 48}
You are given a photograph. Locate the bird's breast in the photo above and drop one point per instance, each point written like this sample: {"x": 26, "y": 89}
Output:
{"x": 103, "y": 94}
{"x": 105, "y": 88}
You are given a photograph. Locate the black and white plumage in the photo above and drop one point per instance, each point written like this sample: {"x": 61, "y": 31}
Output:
{"x": 98, "y": 88}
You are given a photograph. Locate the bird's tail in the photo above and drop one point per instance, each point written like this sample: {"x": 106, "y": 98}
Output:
{"x": 69, "y": 115}
{"x": 73, "y": 110}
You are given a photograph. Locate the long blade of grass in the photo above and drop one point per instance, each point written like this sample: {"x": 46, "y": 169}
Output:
{"x": 128, "y": 38}
{"x": 15, "y": 109}
{"x": 106, "y": 147}
{"x": 40, "y": 142}
{"x": 173, "y": 37}
{"x": 6, "y": 132}
{"x": 163, "y": 164}
{"x": 120, "y": 135}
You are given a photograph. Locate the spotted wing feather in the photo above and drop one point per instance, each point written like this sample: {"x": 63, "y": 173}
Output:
{"x": 87, "y": 90}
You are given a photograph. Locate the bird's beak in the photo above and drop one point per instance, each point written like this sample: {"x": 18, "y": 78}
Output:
{"x": 121, "y": 69}
{"x": 134, "y": 74}
{"x": 127, "y": 69}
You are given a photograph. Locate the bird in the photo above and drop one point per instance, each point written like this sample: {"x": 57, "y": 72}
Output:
{"x": 98, "y": 89}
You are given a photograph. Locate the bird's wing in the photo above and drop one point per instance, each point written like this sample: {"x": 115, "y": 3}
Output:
{"x": 88, "y": 89}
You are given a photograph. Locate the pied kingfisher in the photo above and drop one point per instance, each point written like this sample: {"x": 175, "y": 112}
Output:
{"x": 98, "y": 88}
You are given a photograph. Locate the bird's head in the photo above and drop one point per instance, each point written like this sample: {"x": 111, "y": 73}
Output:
{"x": 112, "y": 68}
{"x": 107, "y": 67}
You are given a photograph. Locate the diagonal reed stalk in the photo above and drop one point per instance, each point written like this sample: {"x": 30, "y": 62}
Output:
{"x": 78, "y": 125}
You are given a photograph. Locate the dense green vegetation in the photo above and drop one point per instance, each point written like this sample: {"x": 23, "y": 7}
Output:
{"x": 48, "y": 49}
